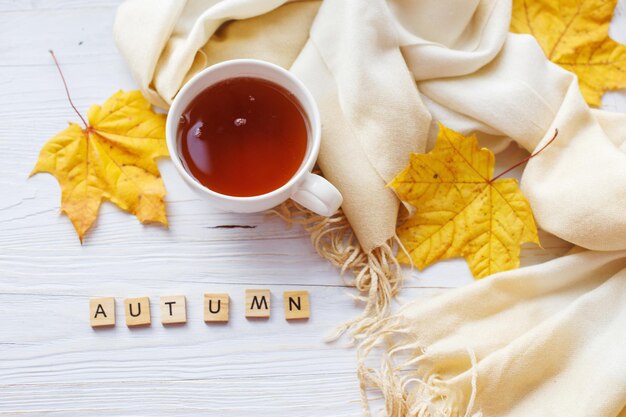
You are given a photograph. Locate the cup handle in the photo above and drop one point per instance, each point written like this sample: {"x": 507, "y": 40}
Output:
{"x": 318, "y": 195}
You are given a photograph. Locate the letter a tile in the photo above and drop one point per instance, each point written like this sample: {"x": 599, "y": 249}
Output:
{"x": 296, "y": 305}
{"x": 258, "y": 303}
{"x": 102, "y": 312}
{"x": 216, "y": 308}
{"x": 137, "y": 311}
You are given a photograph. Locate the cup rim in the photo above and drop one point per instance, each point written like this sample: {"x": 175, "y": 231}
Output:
{"x": 312, "y": 116}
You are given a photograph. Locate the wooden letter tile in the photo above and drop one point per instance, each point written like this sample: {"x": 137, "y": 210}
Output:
{"x": 258, "y": 303}
{"x": 102, "y": 312}
{"x": 173, "y": 309}
{"x": 137, "y": 311}
{"x": 296, "y": 305}
{"x": 216, "y": 307}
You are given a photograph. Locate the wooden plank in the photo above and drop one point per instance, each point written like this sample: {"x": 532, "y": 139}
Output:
{"x": 328, "y": 394}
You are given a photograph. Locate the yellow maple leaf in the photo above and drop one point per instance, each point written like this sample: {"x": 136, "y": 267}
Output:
{"x": 112, "y": 158}
{"x": 460, "y": 210}
{"x": 574, "y": 35}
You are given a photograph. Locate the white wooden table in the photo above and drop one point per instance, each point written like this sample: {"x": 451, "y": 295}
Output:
{"x": 53, "y": 363}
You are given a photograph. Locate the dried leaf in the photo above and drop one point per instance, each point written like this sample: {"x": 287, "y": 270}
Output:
{"x": 460, "y": 210}
{"x": 574, "y": 35}
{"x": 113, "y": 158}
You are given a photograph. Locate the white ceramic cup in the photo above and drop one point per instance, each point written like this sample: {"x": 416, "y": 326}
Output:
{"x": 310, "y": 190}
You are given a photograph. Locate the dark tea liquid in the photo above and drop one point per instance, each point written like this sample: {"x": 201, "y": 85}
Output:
{"x": 243, "y": 137}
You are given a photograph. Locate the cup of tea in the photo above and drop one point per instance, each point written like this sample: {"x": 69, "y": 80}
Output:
{"x": 246, "y": 134}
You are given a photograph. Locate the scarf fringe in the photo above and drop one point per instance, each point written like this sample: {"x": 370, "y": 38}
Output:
{"x": 408, "y": 386}
{"x": 377, "y": 274}
{"x": 405, "y": 378}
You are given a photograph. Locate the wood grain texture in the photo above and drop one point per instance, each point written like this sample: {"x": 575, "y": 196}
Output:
{"x": 53, "y": 363}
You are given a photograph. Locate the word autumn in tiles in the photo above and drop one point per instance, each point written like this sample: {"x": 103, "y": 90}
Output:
{"x": 173, "y": 308}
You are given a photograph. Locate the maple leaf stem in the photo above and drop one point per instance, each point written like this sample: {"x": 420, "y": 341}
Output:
{"x": 556, "y": 133}
{"x": 67, "y": 91}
